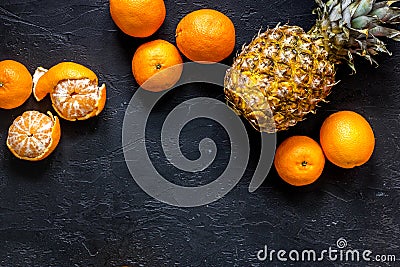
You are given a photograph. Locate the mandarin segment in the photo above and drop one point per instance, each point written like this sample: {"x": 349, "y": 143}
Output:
{"x": 33, "y": 135}
{"x": 15, "y": 84}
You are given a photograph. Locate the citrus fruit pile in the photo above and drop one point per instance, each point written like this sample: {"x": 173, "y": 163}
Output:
{"x": 205, "y": 36}
{"x": 347, "y": 140}
{"x": 74, "y": 93}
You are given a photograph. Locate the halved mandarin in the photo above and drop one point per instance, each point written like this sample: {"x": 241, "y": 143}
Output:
{"x": 33, "y": 136}
{"x": 73, "y": 89}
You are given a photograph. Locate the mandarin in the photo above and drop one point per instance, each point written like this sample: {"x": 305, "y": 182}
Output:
{"x": 205, "y": 36}
{"x": 347, "y": 139}
{"x": 73, "y": 89}
{"x": 138, "y": 18}
{"x": 299, "y": 160}
{"x": 157, "y": 65}
{"x": 15, "y": 84}
{"x": 33, "y": 136}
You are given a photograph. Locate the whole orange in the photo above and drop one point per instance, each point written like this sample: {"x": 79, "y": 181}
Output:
{"x": 205, "y": 35}
{"x": 347, "y": 139}
{"x": 138, "y": 18}
{"x": 15, "y": 84}
{"x": 157, "y": 65}
{"x": 299, "y": 160}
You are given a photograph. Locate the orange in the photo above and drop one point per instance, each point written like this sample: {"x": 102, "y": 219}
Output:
{"x": 299, "y": 160}
{"x": 205, "y": 35}
{"x": 73, "y": 89}
{"x": 347, "y": 139}
{"x": 15, "y": 84}
{"x": 138, "y": 18}
{"x": 157, "y": 65}
{"x": 33, "y": 136}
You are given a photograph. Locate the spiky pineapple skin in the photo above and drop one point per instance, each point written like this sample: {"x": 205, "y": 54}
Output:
{"x": 279, "y": 78}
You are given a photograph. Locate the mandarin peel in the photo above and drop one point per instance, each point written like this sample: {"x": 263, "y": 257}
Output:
{"x": 48, "y": 79}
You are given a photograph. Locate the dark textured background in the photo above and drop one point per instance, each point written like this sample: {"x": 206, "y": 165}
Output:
{"x": 80, "y": 207}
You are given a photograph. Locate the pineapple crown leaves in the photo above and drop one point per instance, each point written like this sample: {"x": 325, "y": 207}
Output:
{"x": 347, "y": 27}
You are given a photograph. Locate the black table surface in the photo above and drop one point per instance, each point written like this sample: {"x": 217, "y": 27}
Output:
{"x": 81, "y": 206}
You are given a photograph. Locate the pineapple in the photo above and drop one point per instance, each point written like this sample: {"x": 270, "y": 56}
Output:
{"x": 284, "y": 73}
